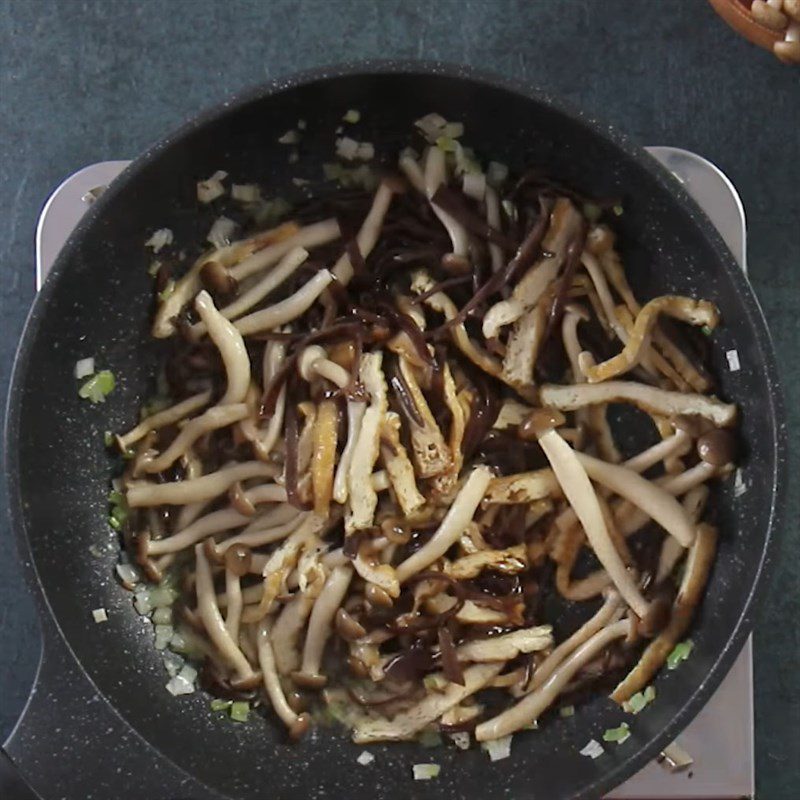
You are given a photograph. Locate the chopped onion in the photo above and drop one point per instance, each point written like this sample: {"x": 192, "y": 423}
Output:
{"x": 431, "y": 126}
{"x": 163, "y": 636}
{"x": 173, "y": 663}
{"x": 290, "y": 137}
{"x": 239, "y": 710}
{"x": 739, "y": 484}
{"x": 365, "y": 758}
{"x": 640, "y": 700}
{"x": 100, "y": 615}
{"x": 211, "y": 188}
{"x": 141, "y": 602}
{"x": 618, "y": 735}
{"x": 84, "y": 368}
{"x": 183, "y": 682}
{"x": 424, "y": 772}
{"x": 461, "y": 740}
{"x": 352, "y": 116}
{"x": 679, "y": 653}
{"x": 128, "y": 573}
{"x": 474, "y": 185}
{"x": 221, "y": 232}
{"x": 734, "y": 364}
{"x": 346, "y": 148}
{"x": 366, "y": 151}
{"x": 498, "y": 749}
{"x": 160, "y": 238}
{"x": 496, "y": 173}
{"x": 593, "y": 749}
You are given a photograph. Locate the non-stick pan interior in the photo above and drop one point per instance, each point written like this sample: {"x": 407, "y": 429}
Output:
{"x": 98, "y": 304}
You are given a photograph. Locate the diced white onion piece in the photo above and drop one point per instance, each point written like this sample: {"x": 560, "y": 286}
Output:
{"x": 163, "y": 636}
{"x": 290, "y": 137}
{"x": 221, "y": 232}
{"x": 173, "y": 663}
{"x": 160, "y": 238}
{"x": 128, "y": 573}
{"x": 84, "y": 368}
{"x": 498, "y": 749}
{"x": 366, "y": 151}
{"x": 734, "y": 364}
{"x": 593, "y": 749}
{"x": 183, "y": 682}
{"x": 100, "y": 615}
{"x": 431, "y": 126}
{"x": 211, "y": 188}
{"x": 365, "y": 758}
{"x": 245, "y": 192}
{"x": 461, "y": 739}
{"x": 346, "y": 148}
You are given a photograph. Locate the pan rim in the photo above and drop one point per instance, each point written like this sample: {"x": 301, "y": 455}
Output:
{"x": 624, "y": 145}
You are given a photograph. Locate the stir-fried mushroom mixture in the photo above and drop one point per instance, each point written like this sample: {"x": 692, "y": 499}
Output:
{"x": 392, "y": 449}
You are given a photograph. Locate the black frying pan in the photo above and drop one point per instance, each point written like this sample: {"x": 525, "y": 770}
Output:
{"x": 99, "y": 723}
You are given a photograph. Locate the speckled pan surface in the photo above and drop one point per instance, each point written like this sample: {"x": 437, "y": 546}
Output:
{"x": 96, "y": 302}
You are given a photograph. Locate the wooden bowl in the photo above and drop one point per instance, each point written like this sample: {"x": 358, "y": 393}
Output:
{"x": 737, "y": 14}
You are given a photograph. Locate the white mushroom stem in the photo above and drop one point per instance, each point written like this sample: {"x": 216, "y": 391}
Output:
{"x": 233, "y": 615}
{"x": 286, "y": 632}
{"x": 604, "y": 294}
{"x": 580, "y": 493}
{"x": 231, "y": 347}
{"x": 262, "y": 536}
{"x": 507, "y": 646}
{"x": 569, "y": 333}
{"x": 362, "y": 497}
{"x": 605, "y": 614}
{"x": 676, "y": 445}
{"x": 412, "y": 170}
{"x": 657, "y": 503}
{"x": 655, "y": 401}
{"x": 286, "y": 310}
{"x": 493, "y": 218}
{"x": 212, "y": 619}
{"x": 272, "y": 683}
{"x": 193, "y": 468}
{"x": 355, "y": 415}
{"x": 287, "y": 266}
{"x": 169, "y": 416}
{"x": 314, "y": 361}
{"x": 217, "y": 417}
{"x": 435, "y": 175}
{"x": 452, "y": 526}
{"x": 274, "y": 356}
{"x": 206, "y": 487}
{"x": 320, "y": 624}
{"x": 531, "y": 707}
{"x": 215, "y": 522}
{"x": 407, "y": 724}
{"x": 368, "y": 233}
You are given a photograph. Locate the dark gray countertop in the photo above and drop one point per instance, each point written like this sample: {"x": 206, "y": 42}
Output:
{"x": 89, "y": 81}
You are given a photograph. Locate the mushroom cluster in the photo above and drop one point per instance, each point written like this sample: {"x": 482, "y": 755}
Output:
{"x": 392, "y": 445}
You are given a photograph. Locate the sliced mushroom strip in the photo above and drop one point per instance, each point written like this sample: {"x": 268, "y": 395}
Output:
{"x": 650, "y": 399}
{"x": 362, "y": 497}
{"x": 216, "y": 522}
{"x": 695, "y": 312}
{"x": 524, "y": 487}
{"x": 320, "y": 625}
{"x": 508, "y": 562}
{"x": 695, "y": 577}
{"x": 287, "y": 266}
{"x": 657, "y": 503}
{"x": 161, "y": 419}
{"x": 231, "y": 347}
{"x": 580, "y": 493}
{"x": 368, "y": 234}
{"x": 285, "y": 633}
{"x": 407, "y": 724}
{"x": 508, "y": 645}
{"x": 452, "y": 526}
{"x": 212, "y": 619}
{"x": 564, "y": 224}
{"x": 297, "y": 724}
{"x": 215, "y": 418}
{"x": 355, "y": 416}
{"x": 522, "y": 348}
{"x": 323, "y": 459}
{"x": 266, "y": 319}
{"x": 259, "y": 252}
{"x": 206, "y": 487}
{"x": 530, "y": 708}
{"x": 399, "y": 467}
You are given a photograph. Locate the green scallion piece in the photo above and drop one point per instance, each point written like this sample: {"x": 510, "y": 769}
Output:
{"x": 640, "y": 700}
{"x": 618, "y": 210}
{"x": 218, "y": 704}
{"x": 352, "y": 116}
{"x": 447, "y": 144}
{"x": 680, "y": 652}
{"x": 430, "y": 738}
{"x": 618, "y": 735}
{"x": 164, "y": 295}
{"x": 108, "y": 439}
{"x": 706, "y": 330}
{"x": 240, "y": 710}
{"x": 567, "y": 711}
{"x": 592, "y": 211}
{"x": 96, "y": 388}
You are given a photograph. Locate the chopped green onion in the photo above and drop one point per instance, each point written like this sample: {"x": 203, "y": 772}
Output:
{"x": 447, "y": 144}
{"x": 618, "y": 735}
{"x": 119, "y": 510}
{"x": 153, "y": 269}
{"x": 96, "y": 388}
{"x": 165, "y": 294}
{"x": 567, "y": 711}
{"x": 679, "y": 653}
{"x": 352, "y": 116}
{"x": 240, "y": 710}
{"x": 640, "y": 700}
{"x": 108, "y": 439}
{"x": 424, "y": 772}
{"x": 218, "y": 704}
{"x": 706, "y": 330}
{"x": 617, "y": 209}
